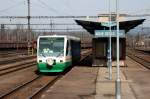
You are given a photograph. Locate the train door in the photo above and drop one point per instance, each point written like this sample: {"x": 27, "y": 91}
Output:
{"x": 68, "y": 49}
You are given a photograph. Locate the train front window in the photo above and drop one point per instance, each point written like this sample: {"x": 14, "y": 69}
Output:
{"x": 53, "y": 47}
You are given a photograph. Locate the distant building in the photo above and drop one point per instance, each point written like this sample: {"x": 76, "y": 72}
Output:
{"x": 105, "y": 17}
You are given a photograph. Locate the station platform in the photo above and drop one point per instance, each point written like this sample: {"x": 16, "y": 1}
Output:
{"x": 105, "y": 88}
{"x": 87, "y": 82}
{"x": 79, "y": 83}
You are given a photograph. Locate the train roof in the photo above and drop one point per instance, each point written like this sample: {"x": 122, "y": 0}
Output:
{"x": 67, "y": 36}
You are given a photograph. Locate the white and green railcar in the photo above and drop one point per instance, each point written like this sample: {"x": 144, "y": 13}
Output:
{"x": 57, "y": 52}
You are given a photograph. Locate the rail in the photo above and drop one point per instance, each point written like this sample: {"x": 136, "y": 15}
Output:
{"x": 21, "y": 90}
{"x": 141, "y": 60}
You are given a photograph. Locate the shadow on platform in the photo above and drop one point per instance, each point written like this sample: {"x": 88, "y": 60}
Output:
{"x": 87, "y": 62}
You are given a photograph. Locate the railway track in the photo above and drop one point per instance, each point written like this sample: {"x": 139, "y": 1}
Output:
{"x": 5, "y": 54}
{"x": 14, "y": 59}
{"x": 37, "y": 93}
{"x": 134, "y": 51}
{"x": 15, "y": 68}
{"x": 140, "y": 59}
{"x": 85, "y": 53}
{"x": 14, "y": 64}
{"x": 12, "y": 53}
{"x": 34, "y": 87}
{"x": 30, "y": 88}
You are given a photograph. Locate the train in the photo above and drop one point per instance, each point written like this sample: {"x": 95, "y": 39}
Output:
{"x": 55, "y": 53}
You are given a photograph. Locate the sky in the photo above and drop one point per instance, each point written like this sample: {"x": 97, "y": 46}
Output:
{"x": 72, "y": 7}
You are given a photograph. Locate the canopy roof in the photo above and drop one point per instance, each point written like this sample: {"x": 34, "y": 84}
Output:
{"x": 91, "y": 26}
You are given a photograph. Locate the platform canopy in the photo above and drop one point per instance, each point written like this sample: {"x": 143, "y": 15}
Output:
{"x": 91, "y": 26}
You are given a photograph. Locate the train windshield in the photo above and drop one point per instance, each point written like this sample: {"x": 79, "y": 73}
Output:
{"x": 53, "y": 47}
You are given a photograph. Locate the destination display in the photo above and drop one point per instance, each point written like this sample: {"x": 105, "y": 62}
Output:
{"x": 106, "y": 33}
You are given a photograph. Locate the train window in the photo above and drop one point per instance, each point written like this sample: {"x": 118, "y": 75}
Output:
{"x": 51, "y": 47}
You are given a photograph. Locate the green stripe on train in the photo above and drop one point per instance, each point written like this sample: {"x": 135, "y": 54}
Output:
{"x": 58, "y": 67}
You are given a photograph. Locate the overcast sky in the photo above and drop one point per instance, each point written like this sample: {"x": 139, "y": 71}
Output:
{"x": 71, "y": 7}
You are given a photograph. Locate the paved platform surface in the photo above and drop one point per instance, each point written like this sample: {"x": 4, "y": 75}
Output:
{"x": 79, "y": 83}
{"x": 140, "y": 79}
{"x": 105, "y": 88}
{"x": 93, "y": 83}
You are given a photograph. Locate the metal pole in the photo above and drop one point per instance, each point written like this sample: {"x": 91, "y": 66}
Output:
{"x": 118, "y": 81}
{"x": 2, "y": 31}
{"x": 110, "y": 59}
{"x": 29, "y": 38}
{"x": 29, "y": 32}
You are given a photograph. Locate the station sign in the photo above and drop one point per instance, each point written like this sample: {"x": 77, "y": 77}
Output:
{"x": 108, "y": 24}
{"x": 106, "y": 33}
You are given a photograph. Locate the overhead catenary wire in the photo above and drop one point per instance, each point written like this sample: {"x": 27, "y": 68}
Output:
{"x": 41, "y": 6}
{"x": 49, "y": 7}
{"x": 11, "y": 7}
{"x": 147, "y": 10}
{"x": 67, "y": 5}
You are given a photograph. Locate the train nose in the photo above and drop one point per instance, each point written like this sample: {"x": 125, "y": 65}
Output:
{"x": 50, "y": 61}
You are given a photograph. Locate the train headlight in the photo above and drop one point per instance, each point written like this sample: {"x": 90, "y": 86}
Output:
{"x": 50, "y": 61}
{"x": 61, "y": 60}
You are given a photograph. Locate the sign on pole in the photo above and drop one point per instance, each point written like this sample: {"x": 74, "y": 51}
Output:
{"x": 106, "y": 33}
{"x": 108, "y": 24}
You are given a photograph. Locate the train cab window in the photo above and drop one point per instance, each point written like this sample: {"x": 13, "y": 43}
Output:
{"x": 51, "y": 47}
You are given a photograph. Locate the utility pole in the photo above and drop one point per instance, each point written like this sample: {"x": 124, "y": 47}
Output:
{"x": 29, "y": 29}
{"x": 110, "y": 59}
{"x": 29, "y": 36}
{"x": 51, "y": 24}
{"x": 118, "y": 81}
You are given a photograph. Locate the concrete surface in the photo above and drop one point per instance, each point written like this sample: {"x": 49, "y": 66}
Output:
{"x": 105, "y": 88}
{"x": 79, "y": 83}
{"x": 140, "y": 77}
